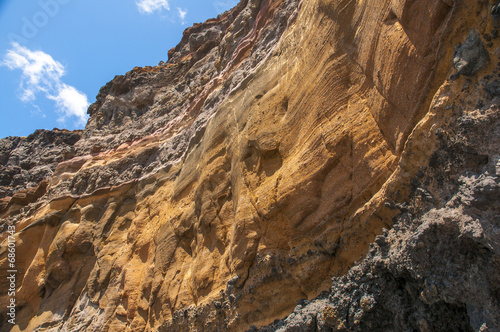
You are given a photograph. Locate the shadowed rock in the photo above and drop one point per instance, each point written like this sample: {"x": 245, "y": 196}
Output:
{"x": 470, "y": 56}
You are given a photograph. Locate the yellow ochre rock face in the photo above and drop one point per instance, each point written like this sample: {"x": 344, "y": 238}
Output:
{"x": 282, "y": 186}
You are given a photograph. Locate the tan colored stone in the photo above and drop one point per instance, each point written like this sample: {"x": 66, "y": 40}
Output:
{"x": 284, "y": 189}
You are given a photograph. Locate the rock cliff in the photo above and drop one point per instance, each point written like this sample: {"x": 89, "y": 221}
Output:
{"x": 283, "y": 144}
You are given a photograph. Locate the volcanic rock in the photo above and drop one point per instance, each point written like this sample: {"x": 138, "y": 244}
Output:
{"x": 295, "y": 165}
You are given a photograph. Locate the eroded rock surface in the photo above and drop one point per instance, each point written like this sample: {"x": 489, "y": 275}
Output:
{"x": 26, "y": 161}
{"x": 437, "y": 268}
{"x": 215, "y": 191}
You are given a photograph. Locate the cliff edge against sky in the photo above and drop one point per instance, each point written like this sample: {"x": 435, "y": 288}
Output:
{"x": 283, "y": 143}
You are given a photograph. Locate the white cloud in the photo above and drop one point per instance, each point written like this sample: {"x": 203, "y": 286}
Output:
{"x": 182, "y": 14}
{"x": 42, "y": 74}
{"x": 149, "y": 6}
{"x": 72, "y": 102}
{"x": 40, "y": 71}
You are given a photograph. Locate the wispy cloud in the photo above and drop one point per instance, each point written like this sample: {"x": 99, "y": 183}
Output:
{"x": 182, "y": 14}
{"x": 149, "y": 6}
{"x": 42, "y": 74}
{"x": 37, "y": 111}
{"x": 223, "y": 5}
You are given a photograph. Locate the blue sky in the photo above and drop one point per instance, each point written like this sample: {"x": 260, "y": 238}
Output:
{"x": 55, "y": 55}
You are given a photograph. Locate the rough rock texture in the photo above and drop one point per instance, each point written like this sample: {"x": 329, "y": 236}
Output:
{"x": 437, "y": 268}
{"x": 25, "y": 161}
{"x": 215, "y": 191}
{"x": 470, "y": 56}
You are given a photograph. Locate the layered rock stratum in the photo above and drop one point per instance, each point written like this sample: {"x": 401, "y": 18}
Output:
{"x": 295, "y": 165}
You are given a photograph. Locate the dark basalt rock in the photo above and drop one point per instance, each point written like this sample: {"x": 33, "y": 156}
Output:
{"x": 470, "y": 56}
{"x": 26, "y": 161}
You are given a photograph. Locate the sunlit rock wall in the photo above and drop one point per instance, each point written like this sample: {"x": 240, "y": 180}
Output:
{"x": 218, "y": 189}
